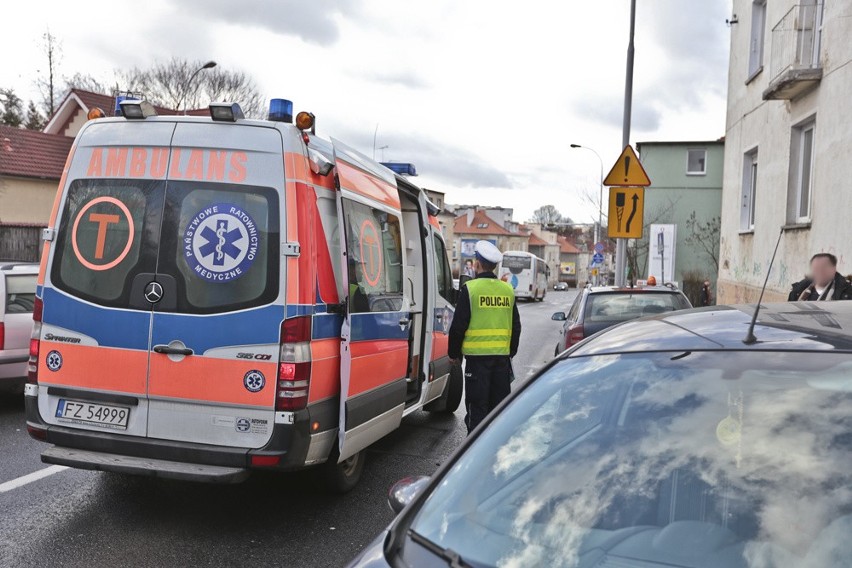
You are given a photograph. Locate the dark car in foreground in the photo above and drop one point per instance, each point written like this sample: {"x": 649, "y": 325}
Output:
{"x": 666, "y": 442}
{"x": 598, "y": 307}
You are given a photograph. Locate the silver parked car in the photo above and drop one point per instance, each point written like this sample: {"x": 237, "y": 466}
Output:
{"x": 17, "y": 298}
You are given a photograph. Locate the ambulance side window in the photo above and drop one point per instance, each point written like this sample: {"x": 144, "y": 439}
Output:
{"x": 374, "y": 258}
{"x": 442, "y": 269}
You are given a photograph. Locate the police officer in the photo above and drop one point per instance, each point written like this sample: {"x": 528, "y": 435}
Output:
{"x": 486, "y": 329}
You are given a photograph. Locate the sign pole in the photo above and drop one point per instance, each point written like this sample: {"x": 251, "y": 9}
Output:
{"x": 621, "y": 244}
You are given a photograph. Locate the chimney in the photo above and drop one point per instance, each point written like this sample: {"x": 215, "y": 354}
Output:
{"x": 470, "y": 214}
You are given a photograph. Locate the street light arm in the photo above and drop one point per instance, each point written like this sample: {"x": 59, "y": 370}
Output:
{"x": 208, "y": 65}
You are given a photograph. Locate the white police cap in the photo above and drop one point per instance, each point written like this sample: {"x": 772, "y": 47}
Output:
{"x": 487, "y": 251}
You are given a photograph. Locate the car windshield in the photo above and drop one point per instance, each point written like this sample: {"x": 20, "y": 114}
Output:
{"x": 613, "y": 307}
{"x": 725, "y": 459}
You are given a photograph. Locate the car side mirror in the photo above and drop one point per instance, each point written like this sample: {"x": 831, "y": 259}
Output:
{"x": 559, "y": 316}
{"x": 405, "y": 491}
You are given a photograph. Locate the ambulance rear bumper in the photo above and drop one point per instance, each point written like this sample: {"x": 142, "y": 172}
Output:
{"x": 132, "y": 454}
{"x": 100, "y": 461}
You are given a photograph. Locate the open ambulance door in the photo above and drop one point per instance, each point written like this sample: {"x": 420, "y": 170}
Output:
{"x": 374, "y": 347}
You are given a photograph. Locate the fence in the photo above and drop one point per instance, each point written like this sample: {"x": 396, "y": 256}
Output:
{"x": 20, "y": 242}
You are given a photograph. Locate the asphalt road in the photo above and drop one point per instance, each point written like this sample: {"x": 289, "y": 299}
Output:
{"x": 79, "y": 518}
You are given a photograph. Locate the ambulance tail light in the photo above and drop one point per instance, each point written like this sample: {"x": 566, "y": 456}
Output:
{"x": 2, "y": 336}
{"x": 575, "y": 334}
{"x": 294, "y": 364}
{"x": 35, "y": 342}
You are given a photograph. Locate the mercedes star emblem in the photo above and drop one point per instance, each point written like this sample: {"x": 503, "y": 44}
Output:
{"x": 153, "y": 292}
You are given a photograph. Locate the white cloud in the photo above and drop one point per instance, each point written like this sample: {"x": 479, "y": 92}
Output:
{"x": 484, "y": 97}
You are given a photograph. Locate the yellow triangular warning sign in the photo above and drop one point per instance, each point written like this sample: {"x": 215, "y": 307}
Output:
{"x": 627, "y": 171}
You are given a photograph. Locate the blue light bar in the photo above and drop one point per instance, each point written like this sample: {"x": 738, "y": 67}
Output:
{"x": 401, "y": 168}
{"x": 281, "y": 110}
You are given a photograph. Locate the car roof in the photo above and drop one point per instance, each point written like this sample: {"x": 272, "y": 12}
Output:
{"x": 633, "y": 290}
{"x": 791, "y": 326}
{"x": 21, "y": 267}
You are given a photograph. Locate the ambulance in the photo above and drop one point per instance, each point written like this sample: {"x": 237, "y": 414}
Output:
{"x": 219, "y": 295}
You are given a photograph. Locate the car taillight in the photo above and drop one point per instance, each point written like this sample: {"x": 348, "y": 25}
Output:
{"x": 2, "y": 336}
{"x": 294, "y": 364}
{"x": 35, "y": 337}
{"x": 575, "y": 334}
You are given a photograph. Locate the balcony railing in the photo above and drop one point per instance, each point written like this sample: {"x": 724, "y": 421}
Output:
{"x": 795, "y": 57}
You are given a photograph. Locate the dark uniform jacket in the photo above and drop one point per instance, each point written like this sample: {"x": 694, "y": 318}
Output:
{"x": 461, "y": 319}
{"x": 842, "y": 290}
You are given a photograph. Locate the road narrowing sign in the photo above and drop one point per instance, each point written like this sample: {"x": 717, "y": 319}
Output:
{"x": 626, "y": 212}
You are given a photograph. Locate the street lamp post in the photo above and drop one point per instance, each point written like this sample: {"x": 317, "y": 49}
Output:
{"x": 599, "y": 226}
{"x": 208, "y": 65}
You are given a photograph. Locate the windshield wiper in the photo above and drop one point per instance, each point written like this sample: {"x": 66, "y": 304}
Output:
{"x": 451, "y": 556}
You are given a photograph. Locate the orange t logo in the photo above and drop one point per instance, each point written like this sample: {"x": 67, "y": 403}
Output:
{"x": 103, "y": 220}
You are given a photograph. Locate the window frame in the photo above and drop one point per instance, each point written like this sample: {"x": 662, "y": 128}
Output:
{"x": 757, "y": 39}
{"x": 797, "y": 202}
{"x": 751, "y": 171}
{"x": 442, "y": 267}
{"x": 696, "y": 173}
{"x": 346, "y": 205}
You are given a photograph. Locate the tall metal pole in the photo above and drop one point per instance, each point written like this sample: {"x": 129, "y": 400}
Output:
{"x": 621, "y": 244}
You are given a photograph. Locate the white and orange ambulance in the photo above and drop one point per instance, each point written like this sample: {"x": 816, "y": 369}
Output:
{"x": 219, "y": 294}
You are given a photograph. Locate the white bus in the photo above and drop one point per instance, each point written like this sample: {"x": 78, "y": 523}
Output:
{"x": 527, "y": 274}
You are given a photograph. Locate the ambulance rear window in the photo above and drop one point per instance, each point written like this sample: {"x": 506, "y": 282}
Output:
{"x": 221, "y": 244}
{"x": 99, "y": 246}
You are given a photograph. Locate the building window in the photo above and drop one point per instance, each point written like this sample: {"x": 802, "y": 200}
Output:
{"x": 696, "y": 161}
{"x": 758, "y": 27}
{"x": 801, "y": 172}
{"x": 749, "y": 190}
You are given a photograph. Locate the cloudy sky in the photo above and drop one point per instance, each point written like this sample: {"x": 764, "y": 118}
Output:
{"x": 484, "y": 96}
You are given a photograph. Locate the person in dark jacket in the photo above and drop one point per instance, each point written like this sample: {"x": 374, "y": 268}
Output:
{"x": 706, "y": 294}
{"x": 486, "y": 330}
{"x": 825, "y": 283}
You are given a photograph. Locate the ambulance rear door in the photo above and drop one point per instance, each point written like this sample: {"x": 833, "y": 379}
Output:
{"x": 93, "y": 363}
{"x": 377, "y": 329}
{"x": 218, "y": 292}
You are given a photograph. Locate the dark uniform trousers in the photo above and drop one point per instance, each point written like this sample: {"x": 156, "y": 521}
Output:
{"x": 487, "y": 381}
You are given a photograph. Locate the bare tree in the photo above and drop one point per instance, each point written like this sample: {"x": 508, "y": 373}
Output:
{"x": 548, "y": 214}
{"x": 168, "y": 84}
{"x": 705, "y": 235}
{"x": 87, "y": 82}
{"x": 52, "y": 49}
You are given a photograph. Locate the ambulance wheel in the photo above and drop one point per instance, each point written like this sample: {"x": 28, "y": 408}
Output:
{"x": 342, "y": 477}
{"x": 450, "y": 399}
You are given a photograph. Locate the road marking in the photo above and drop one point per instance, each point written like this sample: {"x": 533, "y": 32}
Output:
{"x": 30, "y": 477}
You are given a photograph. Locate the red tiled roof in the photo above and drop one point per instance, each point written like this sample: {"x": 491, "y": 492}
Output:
{"x": 536, "y": 241}
{"x": 30, "y": 153}
{"x": 489, "y": 225}
{"x": 565, "y": 247}
{"x": 107, "y": 104}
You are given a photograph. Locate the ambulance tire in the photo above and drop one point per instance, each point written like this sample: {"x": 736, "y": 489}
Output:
{"x": 341, "y": 477}
{"x": 450, "y": 399}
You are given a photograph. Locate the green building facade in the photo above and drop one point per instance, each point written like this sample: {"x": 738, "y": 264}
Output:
{"x": 685, "y": 191}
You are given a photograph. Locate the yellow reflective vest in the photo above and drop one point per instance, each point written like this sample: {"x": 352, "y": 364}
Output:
{"x": 491, "y": 306}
